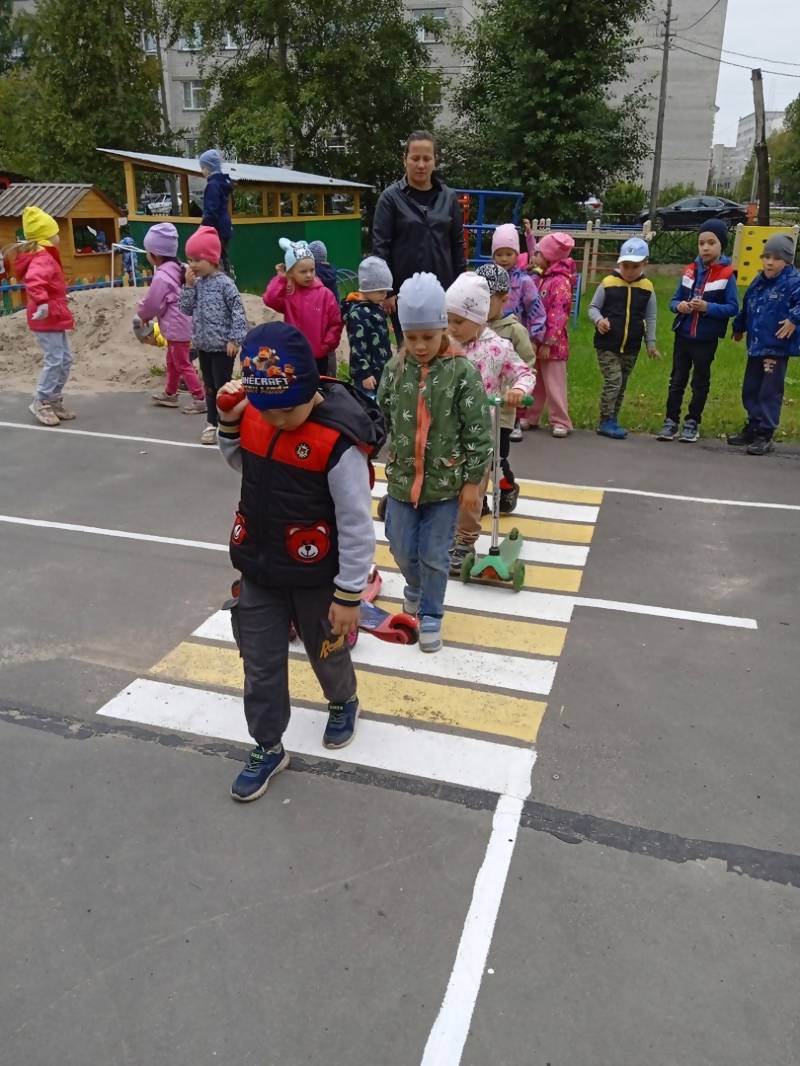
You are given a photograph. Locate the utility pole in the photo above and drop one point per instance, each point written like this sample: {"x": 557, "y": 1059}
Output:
{"x": 662, "y": 105}
{"x": 760, "y": 148}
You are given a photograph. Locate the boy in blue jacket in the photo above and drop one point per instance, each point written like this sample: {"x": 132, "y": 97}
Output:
{"x": 770, "y": 316}
{"x": 216, "y": 201}
{"x": 705, "y": 299}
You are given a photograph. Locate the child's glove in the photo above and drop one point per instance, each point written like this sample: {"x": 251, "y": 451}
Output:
{"x": 42, "y": 311}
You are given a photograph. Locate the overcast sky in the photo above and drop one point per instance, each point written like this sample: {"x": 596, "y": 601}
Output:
{"x": 763, "y": 28}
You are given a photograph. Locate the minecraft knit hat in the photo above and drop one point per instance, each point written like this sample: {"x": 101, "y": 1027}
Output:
{"x": 294, "y": 251}
{"x": 278, "y": 367}
{"x": 162, "y": 240}
{"x": 211, "y": 159}
{"x": 506, "y": 236}
{"x": 374, "y": 275}
{"x": 718, "y": 228}
{"x": 319, "y": 251}
{"x": 421, "y": 303}
{"x": 204, "y": 243}
{"x": 556, "y": 247}
{"x": 37, "y": 225}
{"x": 496, "y": 278}
{"x": 468, "y": 297}
{"x": 781, "y": 246}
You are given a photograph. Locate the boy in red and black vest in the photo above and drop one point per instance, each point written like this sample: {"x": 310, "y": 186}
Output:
{"x": 704, "y": 302}
{"x": 303, "y": 536}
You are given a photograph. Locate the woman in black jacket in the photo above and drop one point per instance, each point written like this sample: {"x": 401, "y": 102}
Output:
{"x": 418, "y": 223}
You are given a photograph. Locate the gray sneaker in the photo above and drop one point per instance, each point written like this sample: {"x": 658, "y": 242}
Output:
{"x": 689, "y": 433}
{"x": 163, "y": 399}
{"x": 410, "y": 602}
{"x": 458, "y": 554}
{"x": 430, "y": 633}
{"x": 209, "y": 435}
{"x": 44, "y": 413}
{"x": 63, "y": 414}
{"x": 669, "y": 430}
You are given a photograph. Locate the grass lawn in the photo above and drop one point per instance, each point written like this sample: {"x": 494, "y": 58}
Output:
{"x": 643, "y": 410}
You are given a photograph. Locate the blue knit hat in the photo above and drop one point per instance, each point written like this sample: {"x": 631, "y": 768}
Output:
{"x": 718, "y": 228}
{"x": 278, "y": 367}
{"x": 294, "y": 251}
{"x": 319, "y": 251}
{"x": 211, "y": 159}
{"x": 421, "y": 303}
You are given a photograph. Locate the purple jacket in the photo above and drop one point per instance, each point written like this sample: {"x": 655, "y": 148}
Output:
{"x": 524, "y": 302}
{"x": 162, "y": 300}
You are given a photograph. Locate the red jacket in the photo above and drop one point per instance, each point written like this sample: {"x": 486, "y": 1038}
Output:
{"x": 44, "y": 281}
{"x": 314, "y": 311}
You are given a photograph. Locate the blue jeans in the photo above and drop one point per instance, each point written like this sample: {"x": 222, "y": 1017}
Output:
{"x": 56, "y": 366}
{"x": 420, "y": 540}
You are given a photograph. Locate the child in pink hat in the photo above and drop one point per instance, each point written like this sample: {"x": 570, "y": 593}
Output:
{"x": 552, "y": 352}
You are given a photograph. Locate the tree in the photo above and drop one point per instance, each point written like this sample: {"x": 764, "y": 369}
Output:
{"x": 624, "y": 198}
{"x": 679, "y": 191}
{"x": 9, "y": 37}
{"x": 332, "y": 86}
{"x": 784, "y": 150}
{"x": 536, "y": 103}
{"x": 85, "y": 83}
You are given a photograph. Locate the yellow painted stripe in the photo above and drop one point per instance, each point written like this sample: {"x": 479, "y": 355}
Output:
{"x": 552, "y": 578}
{"x": 535, "y": 490}
{"x": 381, "y": 694}
{"x": 535, "y": 528}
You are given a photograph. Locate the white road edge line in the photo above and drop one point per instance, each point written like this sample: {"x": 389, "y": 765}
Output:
{"x": 551, "y": 606}
{"x": 448, "y": 1036}
{"x": 107, "y": 436}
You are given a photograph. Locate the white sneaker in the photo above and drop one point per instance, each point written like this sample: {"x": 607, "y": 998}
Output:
{"x": 516, "y": 433}
{"x": 209, "y": 435}
{"x": 560, "y": 431}
{"x": 44, "y": 413}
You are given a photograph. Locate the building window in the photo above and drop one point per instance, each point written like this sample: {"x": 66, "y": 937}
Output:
{"x": 435, "y": 18}
{"x": 150, "y": 44}
{"x": 195, "y": 97}
{"x": 191, "y": 146}
{"x": 192, "y": 42}
{"x": 231, "y": 43}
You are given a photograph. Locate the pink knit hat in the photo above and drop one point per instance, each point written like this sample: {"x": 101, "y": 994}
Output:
{"x": 556, "y": 246}
{"x": 506, "y": 236}
{"x": 204, "y": 243}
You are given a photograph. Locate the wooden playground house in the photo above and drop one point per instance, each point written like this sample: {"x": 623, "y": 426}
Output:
{"x": 79, "y": 210}
{"x": 267, "y": 203}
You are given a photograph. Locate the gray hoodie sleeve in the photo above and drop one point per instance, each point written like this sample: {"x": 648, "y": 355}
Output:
{"x": 598, "y": 302}
{"x": 231, "y": 451}
{"x": 348, "y": 483}
{"x": 650, "y": 313}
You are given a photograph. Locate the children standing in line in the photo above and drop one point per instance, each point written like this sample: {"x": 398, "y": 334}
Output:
{"x": 325, "y": 272}
{"x": 552, "y": 352}
{"x": 216, "y": 202}
{"x": 298, "y": 294}
{"x": 770, "y": 316}
{"x": 367, "y": 324}
{"x": 303, "y": 537}
{"x": 623, "y": 310}
{"x": 435, "y": 408}
{"x": 219, "y": 325}
{"x": 37, "y": 264}
{"x": 502, "y": 373}
{"x": 704, "y": 301}
{"x": 162, "y": 301}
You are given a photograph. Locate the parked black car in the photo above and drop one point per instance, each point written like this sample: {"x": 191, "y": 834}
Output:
{"x": 692, "y": 211}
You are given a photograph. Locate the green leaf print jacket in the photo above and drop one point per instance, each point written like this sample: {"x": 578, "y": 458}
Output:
{"x": 440, "y": 427}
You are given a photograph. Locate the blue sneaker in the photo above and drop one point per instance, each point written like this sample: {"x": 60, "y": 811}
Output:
{"x": 609, "y": 428}
{"x": 430, "y": 633}
{"x": 689, "y": 433}
{"x": 669, "y": 431}
{"x": 620, "y": 429}
{"x": 262, "y": 766}
{"x": 341, "y": 726}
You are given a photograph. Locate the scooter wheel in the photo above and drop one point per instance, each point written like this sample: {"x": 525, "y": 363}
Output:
{"x": 466, "y": 567}
{"x": 518, "y": 575}
{"x": 405, "y": 634}
{"x": 382, "y": 508}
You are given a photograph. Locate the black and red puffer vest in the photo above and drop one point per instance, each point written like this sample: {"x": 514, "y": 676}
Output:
{"x": 284, "y": 532}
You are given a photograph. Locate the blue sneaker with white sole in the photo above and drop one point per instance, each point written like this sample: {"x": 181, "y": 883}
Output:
{"x": 430, "y": 633}
{"x": 263, "y": 764}
{"x": 690, "y": 432}
{"x": 609, "y": 428}
{"x": 341, "y": 727}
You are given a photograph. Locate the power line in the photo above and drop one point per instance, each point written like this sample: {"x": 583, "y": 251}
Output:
{"x": 728, "y": 63}
{"x": 744, "y": 55}
{"x": 704, "y": 16}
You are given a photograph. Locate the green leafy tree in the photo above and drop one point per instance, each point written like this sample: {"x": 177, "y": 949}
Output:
{"x": 784, "y": 149}
{"x": 537, "y": 107}
{"x": 332, "y": 86}
{"x": 624, "y": 198}
{"x": 670, "y": 193}
{"x": 85, "y": 83}
{"x": 10, "y": 43}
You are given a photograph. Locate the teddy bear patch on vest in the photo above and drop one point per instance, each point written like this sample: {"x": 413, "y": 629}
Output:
{"x": 309, "y": 544}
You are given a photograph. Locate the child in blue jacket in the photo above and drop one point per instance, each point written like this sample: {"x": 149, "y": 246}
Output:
{"x": 706, "y": 298}
{"x": 770, "y": 316}
{"x": 216, "y": 201}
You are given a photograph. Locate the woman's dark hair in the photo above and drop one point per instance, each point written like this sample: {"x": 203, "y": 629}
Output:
{"x": 420, "y": 135}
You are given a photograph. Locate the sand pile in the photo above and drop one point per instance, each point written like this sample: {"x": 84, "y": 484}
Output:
{"x": 107, "y": 355}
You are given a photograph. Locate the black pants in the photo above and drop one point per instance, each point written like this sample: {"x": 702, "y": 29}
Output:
{"x": 263, "y": 617}
{"x": 216, "y": 368}
{"x": 225, "y": 261}
{"x": 693, "y": 357}
{"x": 505, "y": 450}
{"x": 762, "y": 392}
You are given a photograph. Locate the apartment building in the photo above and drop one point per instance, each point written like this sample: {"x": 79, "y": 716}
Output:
{"x": 746, "y": 136}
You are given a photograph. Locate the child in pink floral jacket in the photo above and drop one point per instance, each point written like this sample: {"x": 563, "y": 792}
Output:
{"x": 553, "y": 350}
{"x": 503, "y": 374}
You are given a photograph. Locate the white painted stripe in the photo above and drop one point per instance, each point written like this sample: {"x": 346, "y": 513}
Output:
{"x": 480, "y": 668}
{"x": 667, "y": 612}
{"x": 62, "y": 432}
{"x": 533, "y": 551}
{"x": 457, "y": 760}
{"x": 528, "y": 508}
{"x": 448, "y": 1036}
{"x": 711, "y": 501}
{"x": 122, "y": 534}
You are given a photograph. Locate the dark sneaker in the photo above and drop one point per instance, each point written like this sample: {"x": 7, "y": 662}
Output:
{"x": 261, "y": 767}
{"x": 458, "y": 554}
{"x": 689, "y": 433}
{"x": 760, "y": 446}
{"x": 485, "y": 508}
{"x": 746, "y": 435}
{"x": 669, "y": 430}
{"x": 609, "y": 428}
{"x": 341, "y": 726}
{"x": 509, "y": 494}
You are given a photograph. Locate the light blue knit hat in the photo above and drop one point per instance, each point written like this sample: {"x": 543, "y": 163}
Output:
{"x": 374, "y": 275}
{"x": 319, "y": 251}
{"x": 294, "y": 251}
{"x": 211, "y": 159}
{"x": 421, "y": 303}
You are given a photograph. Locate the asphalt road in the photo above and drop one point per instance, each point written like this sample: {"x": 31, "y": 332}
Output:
{"x": 650, "y": 914}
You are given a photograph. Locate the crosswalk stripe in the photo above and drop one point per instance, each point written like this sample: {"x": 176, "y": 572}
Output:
{"x": 467, "y": 761}
{"x": 551, "y": 578}
{"x": 534, "y": 528}
{"x": 533, "y": 551}
{"x": 539, "y": 490}
{"x": 384, "y": 694}
{"x": 562, "y": 512}
{"x": 469, "y": 665}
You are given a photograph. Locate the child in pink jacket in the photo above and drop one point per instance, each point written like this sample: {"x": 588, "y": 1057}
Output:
{"x": 298, "y": 294}
{"x": 553, "y": 350}
{"x": 162, "y": 301}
